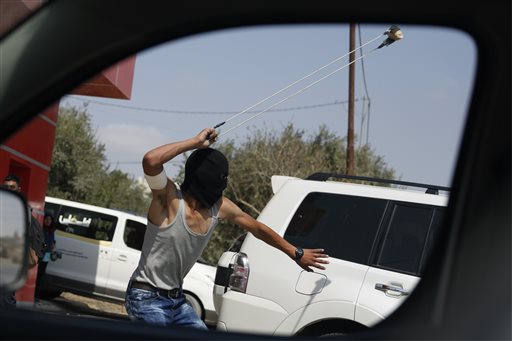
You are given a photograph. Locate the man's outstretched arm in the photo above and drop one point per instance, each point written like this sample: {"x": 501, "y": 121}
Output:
{"x": 311, "y": 258}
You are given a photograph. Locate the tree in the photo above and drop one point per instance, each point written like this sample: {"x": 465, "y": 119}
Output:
{"x": 78, "y": 160}
{"x": 289, "y": 152}
{"x": 80, "y": 172}
{"x": 117, "y": 190}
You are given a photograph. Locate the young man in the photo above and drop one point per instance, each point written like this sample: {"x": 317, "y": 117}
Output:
{"x": 180, "y": 223}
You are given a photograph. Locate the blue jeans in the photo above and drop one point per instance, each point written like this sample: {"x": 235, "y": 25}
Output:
{"x": 153, "y": 308}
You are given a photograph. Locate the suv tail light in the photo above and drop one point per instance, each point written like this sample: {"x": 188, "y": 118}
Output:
{"x": 240, "y": 273}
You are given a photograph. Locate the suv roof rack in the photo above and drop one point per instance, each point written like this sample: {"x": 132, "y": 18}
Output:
{"x": 324, "y": 176}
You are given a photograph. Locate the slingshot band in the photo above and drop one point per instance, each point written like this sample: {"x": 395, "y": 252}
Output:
{"x": 158, "y": 181}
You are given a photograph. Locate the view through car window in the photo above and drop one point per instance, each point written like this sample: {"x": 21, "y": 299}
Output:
{"x": 284, "y": 104}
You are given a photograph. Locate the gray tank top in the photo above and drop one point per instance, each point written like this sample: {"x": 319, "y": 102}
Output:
{"x": 169, "y": 252}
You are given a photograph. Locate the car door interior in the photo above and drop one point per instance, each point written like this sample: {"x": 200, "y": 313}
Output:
{"x": 42, "y": 61}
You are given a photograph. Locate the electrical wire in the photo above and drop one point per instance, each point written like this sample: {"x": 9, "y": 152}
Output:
{"x": 365, "y": 88}
{"x": 362, "y": 62}
{"x": 192, "y": 112}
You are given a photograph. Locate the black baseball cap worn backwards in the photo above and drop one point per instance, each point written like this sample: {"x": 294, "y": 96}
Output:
{"x": 206, "y": 172}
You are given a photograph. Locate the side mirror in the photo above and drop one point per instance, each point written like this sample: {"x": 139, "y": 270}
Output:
{"x": 13, "y": 240}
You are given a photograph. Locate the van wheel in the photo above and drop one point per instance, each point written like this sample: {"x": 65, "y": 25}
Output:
{"x": 49, "y": 294}
{"x": 196, "y": 305}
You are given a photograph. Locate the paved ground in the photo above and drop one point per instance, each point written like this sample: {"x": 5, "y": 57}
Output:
{"x": 70, "y": 304}
{"x": 74, "y": 305}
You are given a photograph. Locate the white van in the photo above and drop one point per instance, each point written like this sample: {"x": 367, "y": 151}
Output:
{"x": 378, "y": 240}
{"x": 100, "y": 249}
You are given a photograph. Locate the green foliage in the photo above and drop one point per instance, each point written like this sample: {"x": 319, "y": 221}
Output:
{"x": 78, "y": 160}
{"x": 288, "y": 152}
{"x": 79, "y": 170}
{"x": 117, "y": 190}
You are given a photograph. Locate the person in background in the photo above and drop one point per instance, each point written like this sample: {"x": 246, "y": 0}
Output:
{"x": 49, "y": 239}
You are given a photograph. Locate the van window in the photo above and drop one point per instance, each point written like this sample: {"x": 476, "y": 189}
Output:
{"x": 405, "y": 237}
{"x": 89, "y": 224}
{"x": 345, "y": 226}
{"x": 134, "y": 234}
{"x": 51, "y": 208}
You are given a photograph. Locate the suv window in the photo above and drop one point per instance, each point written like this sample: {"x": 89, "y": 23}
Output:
{"x": 134, "y": 234}
{"x": 86, "y": 223}
{"x": 345, "y": 226}
{"x": 237, "y": 244}
{"x": 432, "y": 235}
{"x": 405, "y": 237}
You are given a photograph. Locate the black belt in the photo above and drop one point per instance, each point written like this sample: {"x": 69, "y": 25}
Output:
{"x": 173, "y": 293}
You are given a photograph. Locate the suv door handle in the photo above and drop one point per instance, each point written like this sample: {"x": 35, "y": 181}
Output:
{"x": 391, "y": 290}
{"x": 122, "y": 258}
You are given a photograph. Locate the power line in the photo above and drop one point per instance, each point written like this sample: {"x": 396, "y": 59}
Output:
{"x": 365, "y": 87}
{"x": 193, "y": 112}
{"x": 362, "y": 62}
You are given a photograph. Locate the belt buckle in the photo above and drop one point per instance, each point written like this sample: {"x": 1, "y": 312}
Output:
{"x": 173, "y": 293}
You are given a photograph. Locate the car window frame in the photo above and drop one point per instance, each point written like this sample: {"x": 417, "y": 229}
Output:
{"x": 476, "y": 186}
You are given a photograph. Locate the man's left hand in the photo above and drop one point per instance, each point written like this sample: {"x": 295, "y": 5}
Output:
{"x": 313, "y": 258}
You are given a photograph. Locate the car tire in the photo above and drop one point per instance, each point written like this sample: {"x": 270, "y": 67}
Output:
{"x": 196, "y": 304}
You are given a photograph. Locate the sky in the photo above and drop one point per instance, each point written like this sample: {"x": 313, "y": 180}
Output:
{"x": 419, "y": 90}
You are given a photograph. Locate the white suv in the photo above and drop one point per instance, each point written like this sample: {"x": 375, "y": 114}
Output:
{"x": 378, "y": 239}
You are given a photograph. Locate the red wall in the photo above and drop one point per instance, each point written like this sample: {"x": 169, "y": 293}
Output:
{"x": 28, "y": 154}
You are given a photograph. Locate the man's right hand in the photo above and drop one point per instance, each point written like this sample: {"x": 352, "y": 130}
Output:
{"x": 206, "y": 138}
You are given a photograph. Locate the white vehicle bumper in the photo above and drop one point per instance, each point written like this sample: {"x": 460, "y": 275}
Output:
{"x": 249, "y": 314}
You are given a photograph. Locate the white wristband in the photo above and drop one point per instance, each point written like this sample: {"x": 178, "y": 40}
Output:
{"x": 158, "y": 181}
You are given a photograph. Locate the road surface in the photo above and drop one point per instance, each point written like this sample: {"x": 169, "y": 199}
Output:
{"x": 74, "y": 305}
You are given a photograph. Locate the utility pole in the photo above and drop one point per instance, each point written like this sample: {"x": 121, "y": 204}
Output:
{"x": 351, "y": 81}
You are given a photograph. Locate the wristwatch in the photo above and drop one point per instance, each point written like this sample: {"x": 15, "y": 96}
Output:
{"x": 299, "y": 252}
